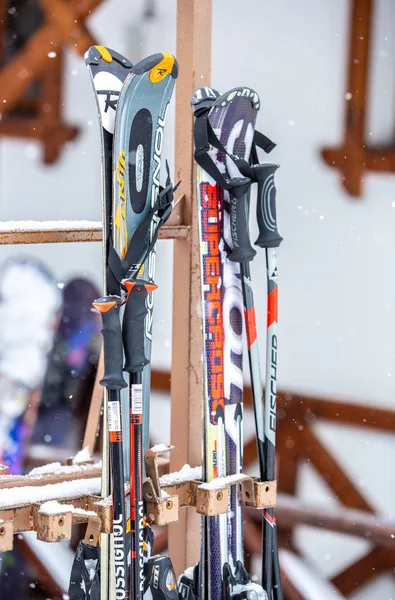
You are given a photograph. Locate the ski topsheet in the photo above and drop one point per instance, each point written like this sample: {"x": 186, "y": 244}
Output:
{"x": 232, "y": 118}
{"x": 139, "y": 129}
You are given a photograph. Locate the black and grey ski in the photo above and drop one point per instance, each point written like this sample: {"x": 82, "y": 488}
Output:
{"x": 225, "y": 141}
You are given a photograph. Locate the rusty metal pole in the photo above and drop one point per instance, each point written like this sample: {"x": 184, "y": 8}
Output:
{"x": 194, "y": 56}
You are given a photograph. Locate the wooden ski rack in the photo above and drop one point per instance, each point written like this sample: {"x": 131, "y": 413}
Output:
{"x": 162, "y": 501}
{"x": 210, "y": 499}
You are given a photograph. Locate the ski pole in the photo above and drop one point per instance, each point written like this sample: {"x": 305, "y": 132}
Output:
{"x": 270, "y": 239}
{"x": 135, "y": 361}
{"x": 113, "y": 380}
{"x": 244, "y": 253}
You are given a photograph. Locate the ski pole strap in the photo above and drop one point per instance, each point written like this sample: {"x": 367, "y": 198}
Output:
{"x": 239, "y": 212}
{"x": 85, "y": 574}
{"x": 133, "y": 323}
{"x": 204, "y": 138}
{"x": 135, "y": 255}
{"x": 108, "y": 308}
{"x": 266, "y": 206}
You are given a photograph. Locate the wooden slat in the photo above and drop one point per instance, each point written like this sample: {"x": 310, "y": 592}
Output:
{"x": 93, "y": 420}
{"x": 11, "y": 481}
{"x": 310, "y": 408}
{"x": 361, "y": 572}
{"x": 70, "y": 234}
{"x": 331, "y": 471}
{"x": 291, "y": 511}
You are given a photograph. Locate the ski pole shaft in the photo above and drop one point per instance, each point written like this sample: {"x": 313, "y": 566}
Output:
{"x": 113, "y": 380}
{"x": 135, "y": 361}
{"x": 270, "y": 239}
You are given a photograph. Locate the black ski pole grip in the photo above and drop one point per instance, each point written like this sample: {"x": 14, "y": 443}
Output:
{"x": 239, "y": 213}
{"x": 133, "y": 323}
{"x": 266, "y": 206}
{"x": 108, "y": 308}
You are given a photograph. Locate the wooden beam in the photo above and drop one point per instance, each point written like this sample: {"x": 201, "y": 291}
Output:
{"x": 349, "y": 158}
{"x": 93, "y": 420}
{"x": 291, "y": 511}
{"x": 326, "y": 465}
{"x": 311, "y": 408}
{"x": 42, "y": 232}
{"x": 32, "y": 60}
{"x": 194, "y": 55}
{"x": 369, "y": 566}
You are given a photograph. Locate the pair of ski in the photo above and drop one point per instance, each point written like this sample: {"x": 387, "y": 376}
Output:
{"x": 132, "y": 103}
{"x": 225, "y": 151}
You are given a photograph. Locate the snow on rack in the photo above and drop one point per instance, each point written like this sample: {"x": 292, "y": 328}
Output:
{"x": 82, "y": 456}
{"x": 160, "y": 448}
{"x": 220, "y": 482}
{"x": 53, "y": 507}
{"x": 67, "y": 489}
{"x": 48, "y": 225}
{"x": 186, "y": 474}
{"x": 57, "y": 469}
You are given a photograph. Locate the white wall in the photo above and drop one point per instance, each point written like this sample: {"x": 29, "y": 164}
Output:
{"x": 337, "y": 284}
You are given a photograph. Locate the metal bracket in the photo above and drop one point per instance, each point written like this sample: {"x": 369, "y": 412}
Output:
{"x": 92, "y": 531}
{"x": 162, "y": 508}
{"x": 212, "y": 498}
{"x": 6, "y": 536}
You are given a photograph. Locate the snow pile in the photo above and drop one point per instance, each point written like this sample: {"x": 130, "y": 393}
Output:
{"x": 53, "y": 507}
{"x": 185, "y": 474}
{"x": 45, "y": 469}
{"x": 58, "y": 469}
{"x": 48, "y": 225}
{"x": 161, "y": 448}
{"x": 82, "y": 456}
{"x": 220, "y": 482}
{"x": 66, "y": 489}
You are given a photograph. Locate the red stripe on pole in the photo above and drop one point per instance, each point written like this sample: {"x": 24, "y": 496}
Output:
{"x": 250, "y": 325}
{"x": 272, "y": 307}
{"x": 269, "y": 518}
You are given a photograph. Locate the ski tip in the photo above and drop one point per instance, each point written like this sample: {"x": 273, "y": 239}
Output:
{"x": 158, "y": 65}
{"x": 95, "y": 54}
{"x": 203, "y": 97}
{"x": 239, "y": 92}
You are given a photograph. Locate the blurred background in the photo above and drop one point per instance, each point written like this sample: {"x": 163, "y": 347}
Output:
{"x": 331, "y": 113}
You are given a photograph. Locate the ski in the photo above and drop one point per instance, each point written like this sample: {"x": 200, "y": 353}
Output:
{"x": 226, "y": 160}
{"x": 108, "y": 71}
{"x": 140, "y": 208}
{"x": 231, "y": 119}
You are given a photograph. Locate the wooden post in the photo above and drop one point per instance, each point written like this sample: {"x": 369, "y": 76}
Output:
{"x": 194, "y": 56}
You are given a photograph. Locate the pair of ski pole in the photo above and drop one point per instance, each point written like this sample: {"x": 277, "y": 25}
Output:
{"x": 264, "y": 408}
{"x": 130, "y": 339}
